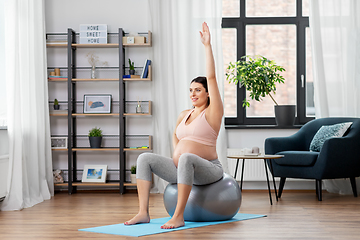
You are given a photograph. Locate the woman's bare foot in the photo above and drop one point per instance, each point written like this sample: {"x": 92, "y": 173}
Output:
{"x": 174, "y": 222}
{"x": 139, "y": 218}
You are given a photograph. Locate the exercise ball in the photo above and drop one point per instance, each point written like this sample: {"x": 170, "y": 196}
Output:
{"x": 217, "y": 201}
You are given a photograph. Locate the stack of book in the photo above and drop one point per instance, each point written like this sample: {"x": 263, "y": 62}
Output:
{"x": 51, "y": 77}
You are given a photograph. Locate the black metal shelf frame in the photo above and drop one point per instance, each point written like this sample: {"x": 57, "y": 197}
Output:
{"x": 72, "y": 104}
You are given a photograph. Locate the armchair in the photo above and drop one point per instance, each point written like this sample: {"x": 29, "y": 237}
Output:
{"x": 338, "y": 157}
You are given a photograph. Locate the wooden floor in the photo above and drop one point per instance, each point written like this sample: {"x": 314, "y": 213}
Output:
{"x": 298, "y": 215}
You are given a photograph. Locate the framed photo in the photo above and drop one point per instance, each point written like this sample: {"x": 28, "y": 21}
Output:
{"x": 97, "y": 103}
{"x": 59, "y": 142}
{"x": 94, "y": 173}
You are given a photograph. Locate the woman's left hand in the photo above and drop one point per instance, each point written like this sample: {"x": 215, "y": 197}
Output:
{"x": 205, "y": 34}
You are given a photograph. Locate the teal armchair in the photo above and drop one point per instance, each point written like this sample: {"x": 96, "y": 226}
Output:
{"x": 338, "y": 157}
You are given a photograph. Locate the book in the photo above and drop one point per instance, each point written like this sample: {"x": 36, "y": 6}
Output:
{"x": 51, "y": 76}
{"x": 145, "y": 70}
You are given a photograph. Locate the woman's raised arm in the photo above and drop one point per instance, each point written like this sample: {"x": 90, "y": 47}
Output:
{"x": 215, "y": 110}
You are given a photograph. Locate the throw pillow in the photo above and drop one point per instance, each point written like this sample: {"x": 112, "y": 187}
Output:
{"x": 326, "y": 132}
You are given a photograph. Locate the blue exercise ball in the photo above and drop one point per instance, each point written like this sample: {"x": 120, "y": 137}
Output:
{"x": 213, "y": 202}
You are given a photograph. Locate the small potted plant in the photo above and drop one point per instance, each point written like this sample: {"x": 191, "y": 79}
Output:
{"x": 131, "y": 67}
{"x": 56, "y": 104}
{"x": 133, "y": 173}
{"x": 95, "y": 137}
{"x": 259, "y": 76}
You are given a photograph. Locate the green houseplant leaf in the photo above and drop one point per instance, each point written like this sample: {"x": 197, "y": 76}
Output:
{"x": 133, "y": 169}
{"x": 258, "y": 75}
{"x": 131, "y": 65}
{"x": 95, "y": 132}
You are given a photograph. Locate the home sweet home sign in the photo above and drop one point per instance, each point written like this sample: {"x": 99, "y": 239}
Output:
{"x": 93, "y": 33}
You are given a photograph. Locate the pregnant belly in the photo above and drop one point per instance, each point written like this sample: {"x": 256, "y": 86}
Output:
{"x": 186, "y": 146}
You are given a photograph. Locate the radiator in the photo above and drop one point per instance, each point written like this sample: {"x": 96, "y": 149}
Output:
{"x": 254, "y": 169}
{"x": 4, "y": 169}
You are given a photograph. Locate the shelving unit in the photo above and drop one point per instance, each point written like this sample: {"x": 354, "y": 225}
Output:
{"x": 72, "y": 115}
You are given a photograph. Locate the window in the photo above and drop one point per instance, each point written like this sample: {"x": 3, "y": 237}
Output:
{"x": 278, "y": 30}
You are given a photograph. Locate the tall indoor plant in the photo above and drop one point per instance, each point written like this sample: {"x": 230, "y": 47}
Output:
{"x": 259, "y": 76}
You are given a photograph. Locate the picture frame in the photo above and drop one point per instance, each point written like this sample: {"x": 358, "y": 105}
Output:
{"x": 94, "y": 173}
{"x": 97, "y": 103}
{"x": 59, "y": 142}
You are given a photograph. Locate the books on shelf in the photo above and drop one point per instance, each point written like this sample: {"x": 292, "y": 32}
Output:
{"x": 57, "y": 77}
{"x": 145, "y": 71}
{"x": 131, "y": 76}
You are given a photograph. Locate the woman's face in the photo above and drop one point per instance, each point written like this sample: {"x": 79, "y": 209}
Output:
{"x": 198, "y": 94}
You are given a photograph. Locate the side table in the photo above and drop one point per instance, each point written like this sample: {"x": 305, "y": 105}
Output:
{"x": 264, "y": 157}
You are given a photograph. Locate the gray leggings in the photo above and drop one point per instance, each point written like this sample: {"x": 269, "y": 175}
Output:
{"x": 191, "y": 169}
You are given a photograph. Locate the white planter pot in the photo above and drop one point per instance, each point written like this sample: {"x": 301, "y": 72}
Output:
{"x": 133, "y": 178}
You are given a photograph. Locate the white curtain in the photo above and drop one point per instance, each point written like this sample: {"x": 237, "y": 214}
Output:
{"x": 335, "y": 36}
{"x": 30, "y": 166}
{"x": 178, "y": 56}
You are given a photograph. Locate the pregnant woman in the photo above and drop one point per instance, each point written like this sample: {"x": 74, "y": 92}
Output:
{"x": 195, "y": 160}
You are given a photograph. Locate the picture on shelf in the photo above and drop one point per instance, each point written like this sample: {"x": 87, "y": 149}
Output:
{"x": 94, "y": 173}
{"x": 59, "y": 142}
{"x": 97, "y": 103}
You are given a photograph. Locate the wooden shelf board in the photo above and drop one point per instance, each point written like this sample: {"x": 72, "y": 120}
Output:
{"x": 60, "y": 184}
{"x": 136, "y": 44}
{"x": 56, "y": 45}
{"x": 57, "y": 149}
{"x": 94, "y": 80}
{"x": 95, "y": 149}
{"x": 137, "y": 114}
{"x": 58, "y": 80}
{"x": 95, "y": 114}
{"x": 58, "y": 114}
{"x": 137, "y": 149}
{"x": 136, "y": 79}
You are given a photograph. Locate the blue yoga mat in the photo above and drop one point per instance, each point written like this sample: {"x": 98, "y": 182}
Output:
{"x": 154, "y": 226}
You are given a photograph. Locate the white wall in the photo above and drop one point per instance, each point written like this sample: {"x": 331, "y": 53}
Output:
{"x": 132, "y": 16}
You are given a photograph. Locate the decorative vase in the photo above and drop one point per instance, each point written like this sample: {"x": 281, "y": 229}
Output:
{"x": 133, "y": 178}
{"x": 95, "y": 142}
{"x": 132, "y": 72}
{"x": 93, "y": 72}
{"x": 138, "y": 109}
{"x": 285, "y": 115}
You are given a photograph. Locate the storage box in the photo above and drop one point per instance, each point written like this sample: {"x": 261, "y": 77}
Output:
{"x": 140, "y": 40}
{"x": 137, "y": 40}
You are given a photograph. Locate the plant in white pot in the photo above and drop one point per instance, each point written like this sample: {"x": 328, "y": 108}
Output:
{"x": 95, "y": 137}
{"x": 259, "y": 76}
{"x": 133, "y": 174}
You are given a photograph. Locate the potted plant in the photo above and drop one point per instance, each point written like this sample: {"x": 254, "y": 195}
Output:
{"x": 95, "y": 137}
{"x": 133, "y": 173}
{"x": 259, "y": 76}
{"x": 56, "y": 104}
{"x": 131, "y": 67}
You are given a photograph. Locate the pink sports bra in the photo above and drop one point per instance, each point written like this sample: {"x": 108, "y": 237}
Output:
{"x": 199, "y": 130}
